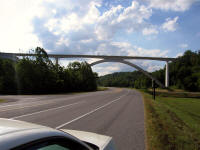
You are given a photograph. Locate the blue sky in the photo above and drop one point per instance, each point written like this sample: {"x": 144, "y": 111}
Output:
{"x": 162, "y": 28}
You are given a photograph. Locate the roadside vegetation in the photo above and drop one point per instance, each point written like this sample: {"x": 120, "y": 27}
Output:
{"x": 100, "y": 88}
{"x": 172, "y": 123}
{"x": 174, "y": 93}
{"x": 38, "y": 75}
{"x": 184, "y": 74}
{"x": 2, "y": 100}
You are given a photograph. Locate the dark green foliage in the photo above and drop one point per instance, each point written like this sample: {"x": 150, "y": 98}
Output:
{"x": 7, "y": 77}
{"x": 184, "y": 73}
{"x": 125, "y": 79}
{"x": 38, "y": 74}
{"x": 82, "y": 76}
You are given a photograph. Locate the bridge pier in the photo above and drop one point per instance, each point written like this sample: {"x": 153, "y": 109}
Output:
{"x": 56, "y": 60}
{"x": 167, "y": 74}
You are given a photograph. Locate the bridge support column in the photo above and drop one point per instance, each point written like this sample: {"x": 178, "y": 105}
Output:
{"x": 56, "y": 60}
{"x": 167, "y": 74}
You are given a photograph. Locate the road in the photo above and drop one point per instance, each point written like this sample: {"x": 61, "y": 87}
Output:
{"x": 116, "y": 112}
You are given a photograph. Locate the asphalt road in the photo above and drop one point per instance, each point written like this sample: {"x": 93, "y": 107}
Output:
{"x": 116, "y": 112}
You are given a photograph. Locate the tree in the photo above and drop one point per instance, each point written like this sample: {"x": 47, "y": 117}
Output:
{"x": 7, "y": 77}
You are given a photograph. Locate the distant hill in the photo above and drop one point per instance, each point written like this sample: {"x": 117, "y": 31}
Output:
{"x": 184, "y": 74}
{"x": 125, "y": 79}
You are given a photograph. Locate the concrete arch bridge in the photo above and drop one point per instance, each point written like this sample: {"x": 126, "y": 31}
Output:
{"x": 104, "y": 58}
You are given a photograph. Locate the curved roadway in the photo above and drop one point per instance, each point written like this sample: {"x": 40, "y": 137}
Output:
{"x": 116, "y": 112}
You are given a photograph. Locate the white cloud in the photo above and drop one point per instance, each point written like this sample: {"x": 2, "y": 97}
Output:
{"x": 139, "y": 51}
{"x": 183, "y": 45}
{"x": 149, "y": 31}
{"x": 91, "y": 31}
{"x": 170, "y": 24}
{"x": 174, "y": 5}
{"x": 154, "y": 67}
{"x": 135, "y": 11}
{"x": 67, "y": 24}
{"x": 179, "y": 54}
{"x": 105, "y": 26}
{"x": 130, "y": 19}
{"x": 70, "y": 22}
{"x": 51, "y": 24}
{"x": 15, "y": 24}
{"x": 17, "y": 18}
{"x": 75, "y": 20}
{"x": 77, "y": 27}
{"x": 107, "y": 68}
{"x": 93, "y": 13}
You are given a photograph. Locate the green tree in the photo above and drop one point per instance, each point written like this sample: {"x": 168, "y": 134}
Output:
{"x": 7, "y": 77}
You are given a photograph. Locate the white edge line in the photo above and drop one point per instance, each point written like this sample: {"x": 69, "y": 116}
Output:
{"x": 46, "y": 110}
{"x": 62, "y": 125}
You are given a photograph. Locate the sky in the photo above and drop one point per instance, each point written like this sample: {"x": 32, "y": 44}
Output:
{"x": 158, "y": 28}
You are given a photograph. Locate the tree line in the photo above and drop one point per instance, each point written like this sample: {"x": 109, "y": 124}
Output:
{"x": 184, "y": 73}
{"x": 38, "y": 75}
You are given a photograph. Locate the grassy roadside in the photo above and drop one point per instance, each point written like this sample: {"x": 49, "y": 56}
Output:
{"x": 2, "y": 100}
{"x": 172, "y": 123}
{"x": 101, "y": 88}
{"x": 175, "y": 93}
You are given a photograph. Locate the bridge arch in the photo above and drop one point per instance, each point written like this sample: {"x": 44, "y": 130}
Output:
{"x": 130, "y": 64}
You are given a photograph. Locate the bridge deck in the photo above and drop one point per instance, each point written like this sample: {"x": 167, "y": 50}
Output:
{"x": 93, "y": 56}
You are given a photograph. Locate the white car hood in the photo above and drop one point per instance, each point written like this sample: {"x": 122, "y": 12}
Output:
{"x": 102, "y": 141}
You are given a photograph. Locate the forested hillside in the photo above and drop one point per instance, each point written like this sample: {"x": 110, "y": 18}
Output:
{"x": 125, "y": 79}
{"x": 38, "y": 74}
{"x": 184, "y": 74}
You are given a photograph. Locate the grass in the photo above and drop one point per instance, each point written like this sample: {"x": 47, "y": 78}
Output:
{"x": 2, "y": 100}
{"x": 175, "y": 93}
{"x": 101, "y": 88}
{"x": 172, "y": 123}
